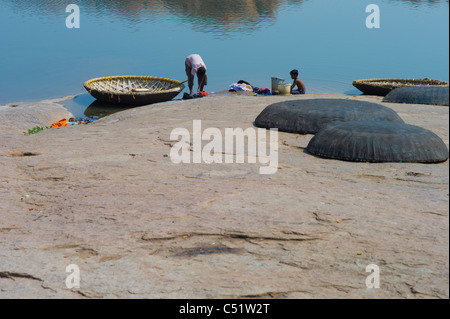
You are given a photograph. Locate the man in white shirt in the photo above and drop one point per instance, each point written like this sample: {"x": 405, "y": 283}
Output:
{"x": 195, "y": 65}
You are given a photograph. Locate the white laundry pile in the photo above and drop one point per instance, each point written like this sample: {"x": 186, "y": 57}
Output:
{"x": 239, "y": 87}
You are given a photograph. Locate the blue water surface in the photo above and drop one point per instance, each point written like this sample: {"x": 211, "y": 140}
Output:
{"x": 328, "y": 41}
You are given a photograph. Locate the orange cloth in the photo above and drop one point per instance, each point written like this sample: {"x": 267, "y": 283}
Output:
{"x": 61, "y": 123}
{"x": 204, "y": 93}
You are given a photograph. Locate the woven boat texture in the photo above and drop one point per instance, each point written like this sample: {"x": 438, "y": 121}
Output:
{"x": 133, "y": 90}
{"x": 431, "y": 95}
{"x": 378, "y": 142}
{"x": 310, "y": 116}
{"x": 382, "y": 87}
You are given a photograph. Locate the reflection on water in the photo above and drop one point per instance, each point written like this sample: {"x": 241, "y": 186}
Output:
{"x": 101, "y": 109}
{"x": 418, "y": 3}
{"x": 85, "y": 107}
{"x": 226, "y": 16}
{"x": 219, "y": 17}
{"x": 77, "y": 106}
{"x": 213, "y": 16}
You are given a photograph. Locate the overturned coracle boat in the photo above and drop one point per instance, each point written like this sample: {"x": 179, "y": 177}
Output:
{"x": 133, "y": 90}
{"x": 378, "y": 142}
{"x": 383, "y": 87}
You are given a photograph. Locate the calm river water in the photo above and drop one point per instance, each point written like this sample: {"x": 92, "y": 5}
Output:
{"x": 252, "y": 40}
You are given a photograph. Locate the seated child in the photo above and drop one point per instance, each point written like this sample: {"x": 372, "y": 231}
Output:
{"x": 297, "y": 82}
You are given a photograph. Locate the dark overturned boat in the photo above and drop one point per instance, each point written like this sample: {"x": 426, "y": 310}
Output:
{"x": 383, "y": 87}
{"x": 133, "y": 90}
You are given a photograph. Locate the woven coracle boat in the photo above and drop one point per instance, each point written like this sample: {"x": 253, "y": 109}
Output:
{"x": 383, "y": 87}
{"x": 133, "y": 90}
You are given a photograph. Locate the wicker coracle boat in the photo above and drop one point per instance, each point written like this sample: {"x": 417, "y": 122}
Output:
{"x": 133, "y": 90}
{"x": 383, "y": 87}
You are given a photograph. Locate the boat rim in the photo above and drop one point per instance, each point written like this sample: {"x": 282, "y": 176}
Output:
{"x": 391, "y": 81}
{"x": 88, "y": 83}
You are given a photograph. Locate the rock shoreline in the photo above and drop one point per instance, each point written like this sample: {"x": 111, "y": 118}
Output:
{"x": 106, "y": 197}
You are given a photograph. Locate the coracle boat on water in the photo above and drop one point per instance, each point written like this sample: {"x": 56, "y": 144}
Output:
{"x": 383, "y": 87}
{"x": 133, "y": 90}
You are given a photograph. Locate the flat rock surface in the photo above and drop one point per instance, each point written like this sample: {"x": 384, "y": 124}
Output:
{"x": 107, "y": 197}
{"x": 24, "y": 116}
